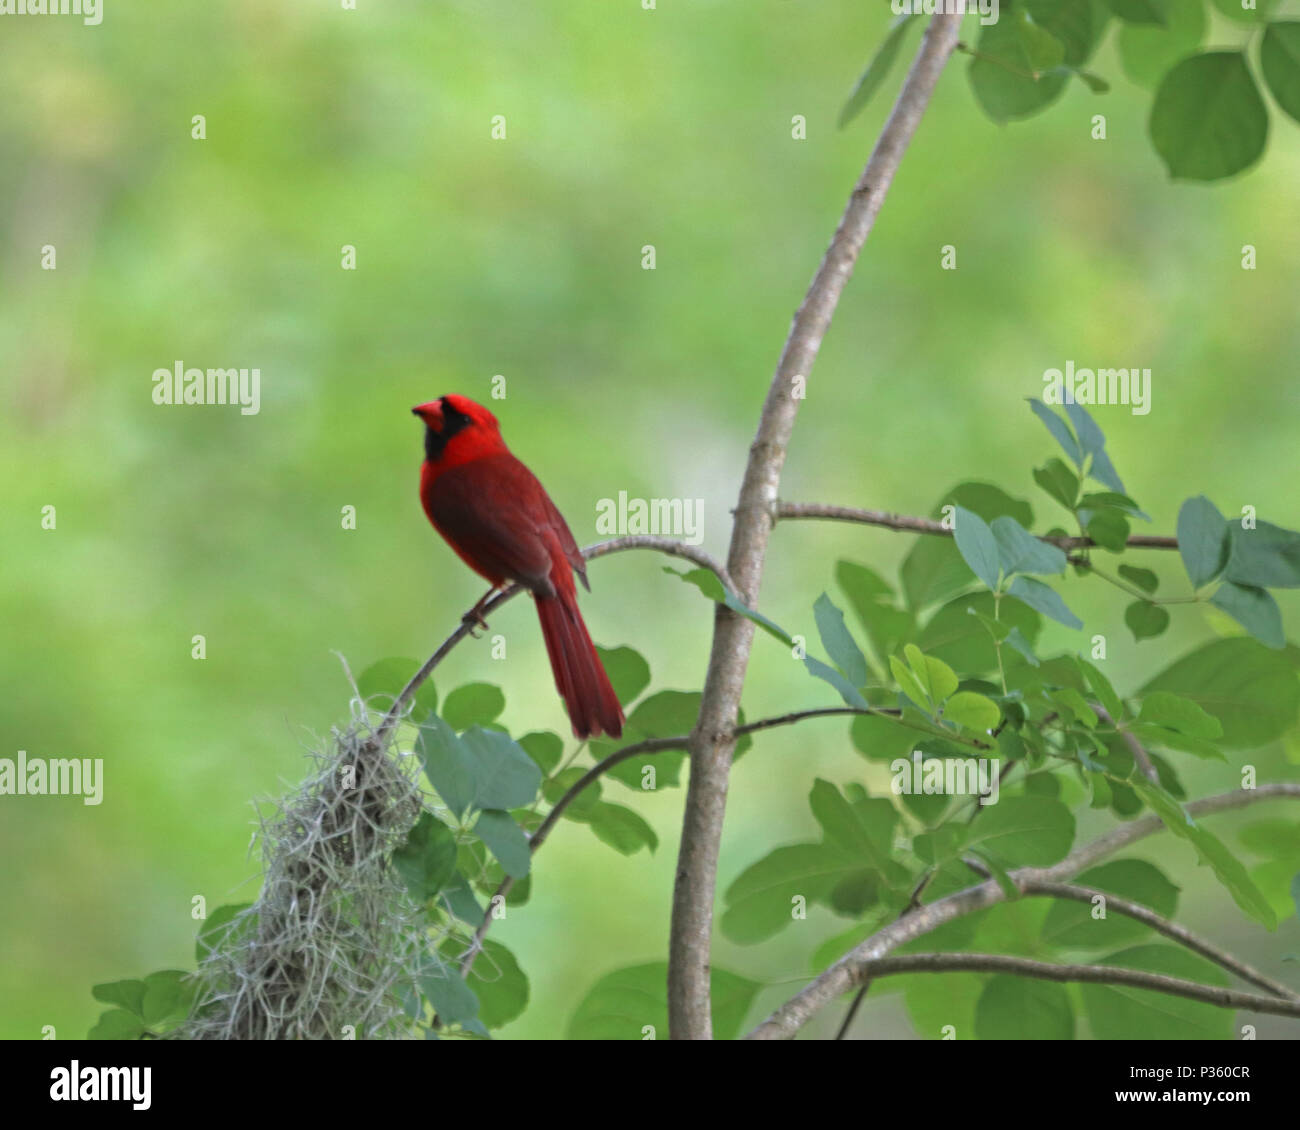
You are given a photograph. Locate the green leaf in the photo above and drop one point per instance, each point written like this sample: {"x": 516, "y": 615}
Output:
{"x": 1020, "y": 552}
{"x": 1254, "y": 609}
{"x": 877, "y": 70}
{"x": 1203, "y": 541}
{"x": 1142, "y": 11}
{"x": 167, "y": 997}
{"x": 505, "y": 839}
{"x": 506, "y": 776}
{"x": 908, "y": 682}
{"x": 475, "y": 704}
{"x": 629, "y": 673}
{"x": 1118, "y": 1012}
{"x": 1177, "y": 713}
{"x": 544, "y": 748}
{"x": 213, "y": 933}
{"x": 1093, "y": 442}
{"x": 1008, "y": 56}
{"x": 1145, "y": 579}
{"x": 1018, "y": 831}
{"x": 632, "y": 1004}
{"x": 1277, "y": 839}
{"x": 427, "y": 860}
{"x": 847, "y": 691}
{"x": 1208, "y": 120}
{"x": 933, "y": 569}
{"x": 1267, "y": 556}
{"x": 881, "y": 739}
{"x": 1112, "y": 500}
{"x": 937, "y": 679}
{"x": 1237, "y": 10}
{"x": 710, "y": 586}
{"x": 117, "y": 1024}
{"x": 1077, "y": 24}
{"x": 977, "y": 545}
{"x": 1074, "y": 925}
{"x": 497, "y": 981}
{"x": 1108, "y": 528}
{"x": 1102, "y": 689}
{"x": 460, "y": 900}
{"x": 1016, "y": 1008}
{"x": 957, "y": 635}
{"x": 1279, "y": 59}
{"x": 1073, "y": 704}
{"x": 1044, "y": 599}
{"x": 1059, "y": 481}
{"x": 128, "y": 995}
{"x": 837, "y": 641}
{"x": 584, "y": 804}
{"x": 762, "y": 899}
{"x": 1146, "y": 620}
{"x": 1151, "y": 735}
{"x": 971, "y": 710}
{"x": 1209, "y": 848}
{"x": 1041, "y": 50}
{"x": 1146, "y": 52}
{"x": 1060, "y": 431}
{"x": 452, "y": 999}
{"x": 887, "y": 626}
{"x": 622, "y": 828}
{"x": 1023, "y": 646}
{"x": 448, "y": 764}
{"x": 1251, "y": 689}
{"x": 664, "y": 714}
{"x": 388, "y": 677}
{"x": 864, "y": 831}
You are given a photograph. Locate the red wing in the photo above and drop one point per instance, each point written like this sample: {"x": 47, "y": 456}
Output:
{"x": 565, "y": 538}
{"x": 496, "y": 515}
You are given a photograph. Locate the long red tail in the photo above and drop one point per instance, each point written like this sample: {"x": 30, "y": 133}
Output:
{"x": 579, "y": 675}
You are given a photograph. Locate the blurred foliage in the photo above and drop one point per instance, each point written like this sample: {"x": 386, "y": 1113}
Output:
{"x": 522, "y": 257}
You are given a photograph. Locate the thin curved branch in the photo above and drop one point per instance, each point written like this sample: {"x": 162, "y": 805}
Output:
{"x": 906, "y": 522}
{"x": 840, "y": 976}
{"x": 694, "y": 891}
{"x": 601, "y": 549}
{"x": 1088, "y": 974}
{"x": 800, "y": 715}
{"x": 1171, "y": 930}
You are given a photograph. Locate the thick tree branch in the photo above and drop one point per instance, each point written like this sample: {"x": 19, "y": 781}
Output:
{"x": 841, "y": 976}
{"x": 888, "y": 521}
{"x": 712, "y": 742}
{"x": 1089, "y": 974}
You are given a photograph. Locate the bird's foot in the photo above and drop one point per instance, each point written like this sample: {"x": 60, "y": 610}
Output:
{"x": 474, "y": 619}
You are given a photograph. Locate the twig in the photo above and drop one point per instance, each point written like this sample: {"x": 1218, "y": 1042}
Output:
{"x": 906, "y": 522}
{"x": 1089, "y": 974}
{"x": 1171, "y": 930}
{"x": 712, "y": 744}
{"x": 840, "y": 976}
{"x": 1135, "y": 747}
{"x": 600, "y": 549}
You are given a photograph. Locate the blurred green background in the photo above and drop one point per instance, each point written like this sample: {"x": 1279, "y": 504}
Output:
{"x": 522, "y": 257}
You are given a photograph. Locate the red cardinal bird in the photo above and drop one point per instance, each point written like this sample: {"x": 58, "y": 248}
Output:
{"x": 494, "y": 513}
